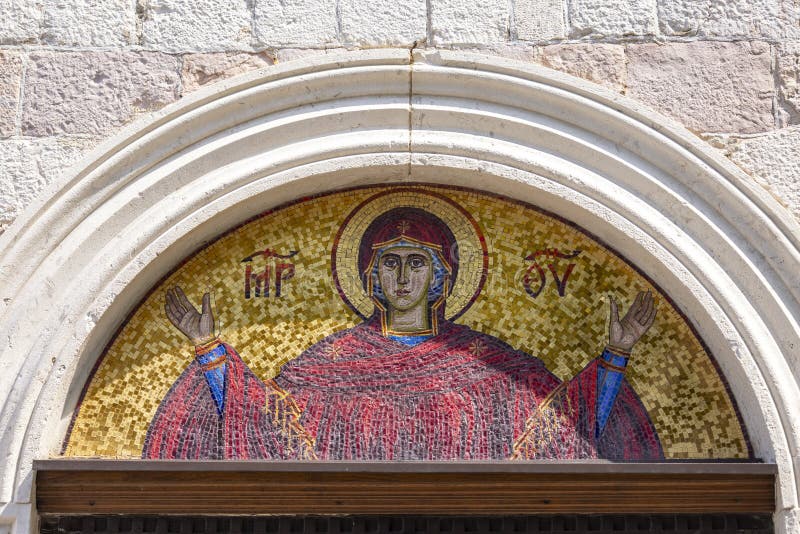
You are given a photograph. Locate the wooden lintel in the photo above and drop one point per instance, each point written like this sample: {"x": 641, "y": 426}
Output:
{"x": 136, "y": 487}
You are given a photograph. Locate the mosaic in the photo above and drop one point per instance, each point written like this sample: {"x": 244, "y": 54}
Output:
{"x": 407, "y": 323}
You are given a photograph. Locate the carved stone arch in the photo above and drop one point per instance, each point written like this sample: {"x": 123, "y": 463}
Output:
{"x": 76, "y": 262}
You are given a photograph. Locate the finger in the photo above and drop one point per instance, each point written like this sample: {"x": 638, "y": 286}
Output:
{"x": 633, "y": 309}
{"x": 614, "y": 310}
{"x": 207, "y": 305}
{"x": 644, "y": 309}
{"x": 172, "y": 305}
{"x": 651, "y": 318}
{"x": 173, "y": 311}
{"x": 651, "y": 304}
{"x": 170, "y": 313}
{"x": 175, "y": 301}
{"x": 637, "y": 304}
{"x": 185, "y": 302}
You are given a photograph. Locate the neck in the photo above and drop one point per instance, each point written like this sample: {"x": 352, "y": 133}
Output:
{"x": 409, "y": 321}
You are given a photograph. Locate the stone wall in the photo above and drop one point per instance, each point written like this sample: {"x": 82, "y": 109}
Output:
{"x": 73, "y": 72}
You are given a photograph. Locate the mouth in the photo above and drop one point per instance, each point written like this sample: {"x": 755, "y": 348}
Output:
{"x": 403, "y": 292}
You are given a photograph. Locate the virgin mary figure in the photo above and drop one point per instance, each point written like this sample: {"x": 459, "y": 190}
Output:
{"x": 406, "y": 383}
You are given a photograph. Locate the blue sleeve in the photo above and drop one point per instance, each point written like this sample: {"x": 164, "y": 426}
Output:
{"x": 212, "y": 359}
{"x": 610, "y": 374}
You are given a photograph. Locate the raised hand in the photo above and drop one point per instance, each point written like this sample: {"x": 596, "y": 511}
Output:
{"x": 197, "y": 326}
{"x": 623, "y": 334}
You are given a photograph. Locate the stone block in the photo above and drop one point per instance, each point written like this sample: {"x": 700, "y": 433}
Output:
{"x": 295, "y": 23}
{"x": 197, "y": 26}
{"x": 290, "y": 54}
{"x": 20, "y": 21}
{"x": 89, "y": 23}
{"x": 94, "y": 92}
{"x": 771, "y": 159}
{"x": 612, "y": 18}
{"x": 10, "y": 79}
{"x": 202, "y": 69}
{"x": 707, "y": 86}
{"x": 776, "y": 19}
{"x": 789, "y": 75}
{"x": 29, "y": 166}
{"x": 540, "y": 20}
{"x": 518, "y": 50}
{"x": 381, "y": 23}
{"x": 458, "y": 22}
{"x": 599, "y": 63}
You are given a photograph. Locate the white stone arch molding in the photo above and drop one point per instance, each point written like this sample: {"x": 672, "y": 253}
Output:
{"x": 76, "y": 263}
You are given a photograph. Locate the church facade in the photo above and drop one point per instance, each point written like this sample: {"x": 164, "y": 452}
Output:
{"x": 416, "y": 252}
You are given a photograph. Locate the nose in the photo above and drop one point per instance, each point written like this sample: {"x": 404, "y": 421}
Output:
{"x": 402, "y": 273}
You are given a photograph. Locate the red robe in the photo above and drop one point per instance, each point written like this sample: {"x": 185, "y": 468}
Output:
{"x": 357, "y": 395}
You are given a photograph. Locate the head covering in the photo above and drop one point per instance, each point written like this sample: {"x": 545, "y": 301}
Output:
{"x": 407, "y": 226}
{"x": 413, "y": 225}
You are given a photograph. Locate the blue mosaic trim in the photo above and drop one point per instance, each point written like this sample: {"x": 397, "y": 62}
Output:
{"x": 411, "y": 341}
{"x": 216, "y": 377}
{"x": 608, "y": 384}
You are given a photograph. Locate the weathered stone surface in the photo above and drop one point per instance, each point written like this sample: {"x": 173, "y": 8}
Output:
{"x": 599, "y": 63}
{"x": 290, "y": 54}
{"x": 789, "y": 73}
{"x": 295, "y": 22}
{"x": 19, "y": 21}
{"x": 458, "y": 22}
{"x": 519, "y": 51}
{"x": 89, "y": 23}
{"x": 730, "y": 18}
{"x": 197, "y": 26}
{"x": 29, "y": 166}
{"x": 707, "y": 86}
{"x": 381, "y": 23}
{"x": 94, "y": 92}
{"x": 772, "y": 160}
{"x": 10, "y": 78}
{"x": 202, "y": 69}
{"x": 540, "y": 20}
{"x": 612, "y": 18}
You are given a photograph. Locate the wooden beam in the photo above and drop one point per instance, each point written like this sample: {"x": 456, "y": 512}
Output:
{"x": 140, "y": 487}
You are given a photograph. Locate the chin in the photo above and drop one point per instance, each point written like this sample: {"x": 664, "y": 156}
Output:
{"x": 402, "y": 304}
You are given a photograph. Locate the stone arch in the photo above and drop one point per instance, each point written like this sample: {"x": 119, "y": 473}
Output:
{"x": 78, "y": 260}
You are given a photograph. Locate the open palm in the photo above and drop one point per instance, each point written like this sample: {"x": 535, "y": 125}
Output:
{"x": 197, "y": 326}
{"x": 624, "y": 333}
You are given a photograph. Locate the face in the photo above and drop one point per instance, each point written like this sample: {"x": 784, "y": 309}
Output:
{"x": 405, "y": 275}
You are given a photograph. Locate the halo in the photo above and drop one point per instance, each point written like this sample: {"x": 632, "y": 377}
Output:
{"x": 472, "y": 251}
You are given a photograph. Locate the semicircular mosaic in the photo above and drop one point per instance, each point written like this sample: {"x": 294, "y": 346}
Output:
{"x": 407, "y": 323}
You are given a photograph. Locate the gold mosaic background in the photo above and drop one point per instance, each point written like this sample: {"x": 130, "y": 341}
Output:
{"x": 671, "y": 372}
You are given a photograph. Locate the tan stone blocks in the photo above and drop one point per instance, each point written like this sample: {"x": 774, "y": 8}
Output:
{"x": 10, "y": 78}
{"x": 19, "y": 21}
{"x": 94, "y": 92}
{"x": 599, "y": 63}
{"x": 377, "y": 22}
{"x": 772, "y": 160}
{"x": 295, "y": 23}
{"x": 612, "y": 18}
{"x": 28, "y": 166}
{"x": 454, "y": 21}
{"x": 202, "y": 69}
{"x": 89, "y": 23}
{"x": 789, "y": 76}
{"x": 707, "y": 86}
{"x": 775, "y": 19}
{"x": 540, "y": 20}
{"x": 197, "y": 26}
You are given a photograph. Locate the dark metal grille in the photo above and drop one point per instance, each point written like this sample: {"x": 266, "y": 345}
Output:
{"x": 575, "y": 524}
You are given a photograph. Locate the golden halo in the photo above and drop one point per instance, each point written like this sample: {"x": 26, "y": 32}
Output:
{"x": 472, "y": 252}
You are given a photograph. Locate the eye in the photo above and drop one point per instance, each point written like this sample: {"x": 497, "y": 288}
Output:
{"x": 390, "y": 262}
{"x": 416, "y": 262}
